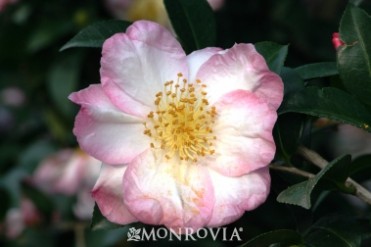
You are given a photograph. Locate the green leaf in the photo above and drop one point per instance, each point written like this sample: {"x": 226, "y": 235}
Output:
{"x": 354, "y": 58}
{"x": 328, "y": 102}
{"x": 291, "y": 80}
{"x": 317, "y": 70}
{"x": 282, "y": 237}
{"x": 336, "y": 231}
{"x": 33, "y": 154}
{"x": 48, "y": 32}
{"x": 274, "y": 54}
{"x": 95, "y": 34}
{"x": 194, "y": 23}
{"x": 106, "y": 238}
{"x": 287, "y": 133}
{"x": 361, "y": 164}
{"x": 99, "y": 222}
{"x": 63, "y": 78}
{"x": 333, "y": 176}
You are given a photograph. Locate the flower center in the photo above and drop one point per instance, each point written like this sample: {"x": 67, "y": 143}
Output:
{"x": 183, "y": 120}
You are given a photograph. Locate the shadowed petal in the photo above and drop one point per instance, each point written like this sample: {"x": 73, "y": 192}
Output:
{"x": 105, "y": 132}
{"x": 235, "y": 195}
{"x": 176, "y": 195}
{"x": 108, "y": 194}
{"x": 244, "y": 134}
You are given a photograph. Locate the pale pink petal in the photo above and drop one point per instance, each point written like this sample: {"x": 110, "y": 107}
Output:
{"x": 103, "y": 131}
{"x": 14, "y": 223}
{"x": 125, "y": 102}
{"x": 162, "y": 192}
{"x": 235, "y": 195}
{"x": 197, "y": 58}
{"x": 136, "y": 64}
{"x": 244, "y": 134}
{"x": 107, "y": 193}
{"x": 60, "y": 173}
{"x": 73, "y": 172}
{"x": 241, "y": 67}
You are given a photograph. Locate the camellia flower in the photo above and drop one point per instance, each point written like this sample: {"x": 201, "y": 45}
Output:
{"x": 185, "y": 140}
{"x": 69, "y": 172}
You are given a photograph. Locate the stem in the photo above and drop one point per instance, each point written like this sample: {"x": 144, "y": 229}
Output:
{"x": 292, "y": 170}
{"x": 79, "y": 235}
{"x": 360, "y": 191}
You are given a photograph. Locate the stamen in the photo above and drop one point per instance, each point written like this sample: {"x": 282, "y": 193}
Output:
{"x": 182, "y": 125}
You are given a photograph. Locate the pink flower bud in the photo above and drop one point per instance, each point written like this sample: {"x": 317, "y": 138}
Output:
{"x": 336, "y": 41}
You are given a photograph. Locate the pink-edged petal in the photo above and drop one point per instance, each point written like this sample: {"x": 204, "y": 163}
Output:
{"x": 103, "y": 131}
{"x": 271, "y": 89}
{"x": 235, "y": 195}
{"x": 95, "y": 97}
{"x": 136, "y": 64}
{"x": 244, "y": 134}
{"x": 241, "y": 67}
{"x": 197, "y": 58}
{"x": 125, "y": 102}
{"x": 108, "y": 194}
{"x": 160, "y": 192}
{"x": 62, "y": 173}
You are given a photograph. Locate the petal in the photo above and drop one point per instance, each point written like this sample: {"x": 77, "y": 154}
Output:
{"x": 176, "y": 195}
{"x": 235, "y": 195}
{"x": 108, "y": 194}
{"x": 103, "y": 131}
{"x": 136, "y": 64}
{"x": 244, "y": 134}
{"x": 241, "y": 67}
{"x": 62, "y": 173}
{"x": 197, "y": 58}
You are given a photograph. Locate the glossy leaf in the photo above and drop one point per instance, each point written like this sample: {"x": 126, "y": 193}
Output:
{"x": 354, "y": 57}
{"x": 48, "y": 32}
{"x": 361, "y": 164}
{"x": 63, "y": 78}
{"x": 95, "y": 34}
{"x": 274, "y": 54}
{"x": 336, "y": 231}
{"x": 282, "y": 237}
{"x": 193, "y": 22}
{"x": 287, "y": 133}
{"x": 317, "y": 70}
{"x": 106, "y": 238}
{"x": 331, "y": 177}
{"x": 291, "y": 80}
{"x": 328, "y": 102}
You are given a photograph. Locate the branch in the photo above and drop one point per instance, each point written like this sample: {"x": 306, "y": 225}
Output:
{"x": 292, "y": 170}
{"x": 360, "y": 191}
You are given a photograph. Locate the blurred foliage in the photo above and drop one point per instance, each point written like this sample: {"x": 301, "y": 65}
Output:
{"x": 36, "y": 118}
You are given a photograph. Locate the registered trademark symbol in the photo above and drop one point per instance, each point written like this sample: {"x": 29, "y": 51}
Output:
{"x": 240, "y": 229}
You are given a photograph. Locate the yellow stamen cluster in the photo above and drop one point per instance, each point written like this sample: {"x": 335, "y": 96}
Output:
{"x": 183, "y": 120}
